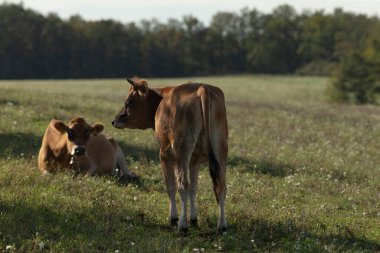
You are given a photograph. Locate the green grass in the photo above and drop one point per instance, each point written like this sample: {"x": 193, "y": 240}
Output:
{"x": 303, "y": 174}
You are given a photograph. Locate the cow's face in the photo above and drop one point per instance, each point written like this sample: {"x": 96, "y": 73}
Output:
{"x": 77, "y": 133}
{"x": 134, "y": 112}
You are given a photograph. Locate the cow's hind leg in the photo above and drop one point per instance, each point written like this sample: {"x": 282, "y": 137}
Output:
{"x": 170, "y": 181}
{"x": 184, "y": 154}
{"x": 183, "y": 190}
{"x": 222, "y": 222}
{"x": 193, "y": 188}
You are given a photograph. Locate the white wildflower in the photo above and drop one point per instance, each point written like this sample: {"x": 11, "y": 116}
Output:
{"x": 41, "y": 245}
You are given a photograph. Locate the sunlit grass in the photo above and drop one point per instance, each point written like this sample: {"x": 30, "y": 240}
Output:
{"x": 303, "y": 174}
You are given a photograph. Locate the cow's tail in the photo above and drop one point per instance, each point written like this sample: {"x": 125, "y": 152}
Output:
{"x": 216, "y": 174}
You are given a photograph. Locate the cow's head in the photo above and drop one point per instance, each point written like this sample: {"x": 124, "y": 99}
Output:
{"x": 77, "y": 133}
{"x": 136, "y": 110}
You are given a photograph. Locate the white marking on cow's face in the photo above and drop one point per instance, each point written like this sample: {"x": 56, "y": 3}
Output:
{"x": 77, "y": 146}
{"x": 73, "y": 150}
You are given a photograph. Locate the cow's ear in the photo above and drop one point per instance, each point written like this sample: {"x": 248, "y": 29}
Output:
{"x": 97, "y": 128}
{"x": 60, "y": 126}
{"x": 144, "y": 84}
{"x": 143, "y": 88}
{"x": 133, "y": 83}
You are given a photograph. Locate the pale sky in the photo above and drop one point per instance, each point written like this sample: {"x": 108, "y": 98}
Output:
{"x": 136, "y": 10}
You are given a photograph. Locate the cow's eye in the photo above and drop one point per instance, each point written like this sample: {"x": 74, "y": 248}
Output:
{"x": 87, "y": 133}
{"x": 128, "y": 103}
{"x": 70, "y": 134}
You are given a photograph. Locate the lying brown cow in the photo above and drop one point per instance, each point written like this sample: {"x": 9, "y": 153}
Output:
{"x": 191, "y": 127}
{"x": 79, "y": 146}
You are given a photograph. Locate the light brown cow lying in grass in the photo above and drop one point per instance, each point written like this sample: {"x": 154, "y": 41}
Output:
{"x": 79, "y": 146}
{"x": 190, "y": 123}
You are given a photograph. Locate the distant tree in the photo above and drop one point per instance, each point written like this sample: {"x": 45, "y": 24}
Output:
{"x": 351, "y": 32}
{"x": 194, "y": 58}
{"x": 354, "y": 81}
{"x": 19, "y": 41}
{"x": 225, "y": 37}
{"x": 252, "y": 28}
{"x": 162, "y": 48}
{"x": 357, "y": 79}
{"x": 317, "y": 43}
{"x": 372, "y": 51}
{"x": 275, "y": 47}
{"x": 281, "y": 42}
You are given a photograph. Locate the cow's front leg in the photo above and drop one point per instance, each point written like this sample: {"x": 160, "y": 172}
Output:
{"x": 85, "y": 164}
{"x": 169, "y": 176}
{"x": 91, "y": 170}
{"x": 44, "y": 164}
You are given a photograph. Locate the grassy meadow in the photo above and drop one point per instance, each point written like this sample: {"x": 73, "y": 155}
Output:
{"x": 303, "y": 174}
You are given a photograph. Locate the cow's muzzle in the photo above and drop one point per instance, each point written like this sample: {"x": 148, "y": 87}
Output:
{"x": 79, "y": 151}
{"x": 116, "y": 124}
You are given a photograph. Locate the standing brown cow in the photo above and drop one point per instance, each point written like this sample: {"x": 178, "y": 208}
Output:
{"x": 191, "y": 127}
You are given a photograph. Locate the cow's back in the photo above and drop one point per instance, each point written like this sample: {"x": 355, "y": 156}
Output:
{"x": 102, "y": 153}
{"x": 53, "y": 154}
{"x": 180, "y": 116}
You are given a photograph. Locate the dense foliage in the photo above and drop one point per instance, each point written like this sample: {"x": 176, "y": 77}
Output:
{"x": 357, "y": 78}
{"x": 354, "y": 81}
{"x": 283, "y": 41}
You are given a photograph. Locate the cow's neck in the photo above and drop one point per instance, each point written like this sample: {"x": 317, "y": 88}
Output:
{"x": 154, "y": 99}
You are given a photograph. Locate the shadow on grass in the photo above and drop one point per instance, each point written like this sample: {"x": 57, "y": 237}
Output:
{"x": 262, "y": 166}
{"x": 100, "y": 228}
{"x": 287, "y": 236}
{"x": 9, "y": 102}
{"x": 21, "y": 223}
{"x": 139, "y": 153}
{"x": 104, "y": 227}
{"x": 16, "y": 144}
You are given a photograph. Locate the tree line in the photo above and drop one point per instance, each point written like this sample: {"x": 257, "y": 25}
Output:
{"x": 33, "y": 45}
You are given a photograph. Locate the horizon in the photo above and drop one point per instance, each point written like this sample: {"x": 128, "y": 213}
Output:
{"x": 162, "y": 10}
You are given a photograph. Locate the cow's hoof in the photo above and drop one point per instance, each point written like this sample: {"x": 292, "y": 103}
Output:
{"x": 183, "y": 231}
{"x": 221, "y": 230}
{"x": 194, "y": 222}
{"x": 173, "y": 221}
